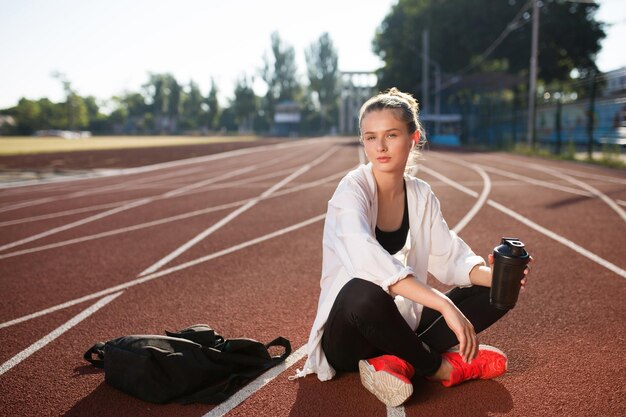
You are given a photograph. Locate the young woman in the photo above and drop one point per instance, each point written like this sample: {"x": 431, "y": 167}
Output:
{"x": 384, "y": 232}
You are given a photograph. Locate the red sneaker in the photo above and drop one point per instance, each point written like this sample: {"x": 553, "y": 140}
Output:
{"x": 388, "y": 378}
{"x": 489, "y": 363}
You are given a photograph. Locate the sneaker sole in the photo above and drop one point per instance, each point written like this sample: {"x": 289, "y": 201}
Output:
{"x": 389, "y": 389}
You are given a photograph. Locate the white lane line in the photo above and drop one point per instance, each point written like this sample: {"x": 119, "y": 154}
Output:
{"x": 127, "y": 185}
{"x": 166, "y": 272}
{"x": 91, "y": 191}
{"x": 522, "y": 178}
{"x": 56, "y": 333}
{"x": 165, "y": 220}
{"x": 262, "y": 380}
{"x": 400, "y": 411}
{"x": 566, "y": 242}
{"x": 62, "y": 213}
{"x": 586, "y": 175}
{"x": 170, "y": 164}
{"x": 396, "y": 411}
{"x": 450, "y": 182}
{"x": 119, "y": 203}
{"x": 620, "y": 212}
{"x": 525, "y": 164}
{"x": 111, "y": 212}
{"x": 552, "y": 235}
{"x": 210, "y": 230}
{"x": 479, "y": 203}
{"x": 533, "y": 181}
{"x": 556, "y": 172}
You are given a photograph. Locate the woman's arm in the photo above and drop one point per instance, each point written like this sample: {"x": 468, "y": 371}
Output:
{"x": 420, "y": 293}
{"x": 482, "y": 275}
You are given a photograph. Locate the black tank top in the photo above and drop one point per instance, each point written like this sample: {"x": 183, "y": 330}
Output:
{"x": 394, "y": 241}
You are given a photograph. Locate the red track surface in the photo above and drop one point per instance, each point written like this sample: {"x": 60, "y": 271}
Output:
{"x": 565, "y": 339}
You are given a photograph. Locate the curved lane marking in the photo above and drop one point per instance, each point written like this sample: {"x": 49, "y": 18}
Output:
{"x": 400, "y": 411}
{"x": 547, "y": 232}
{"x": 479, "y": 203}
{"x": 526, "y": 164}
{"x": 612, "y": 204}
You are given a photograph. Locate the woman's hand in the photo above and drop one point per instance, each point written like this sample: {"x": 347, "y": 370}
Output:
{"x": 526, "y": 272}
{"x": 464, "y": 331}
{"x": 524, "y": 280}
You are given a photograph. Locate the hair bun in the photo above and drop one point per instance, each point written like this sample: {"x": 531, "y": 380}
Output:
{"x": 393, "y": 91}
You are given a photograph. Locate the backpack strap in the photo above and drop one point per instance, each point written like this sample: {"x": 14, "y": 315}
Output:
{"x": 280, "y": 341}
{"x": 218, "y": 393}
{"x": 97, "y": 349}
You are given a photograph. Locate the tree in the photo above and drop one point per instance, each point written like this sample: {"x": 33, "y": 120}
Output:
{"x": 163, "y": 96}
{"x": 131, "y": 115}
{"x": 280, "y": 75}
{"x": 80, "y": 117}
{"x": 244, "y": 104}
{"x": 213, "y": 111}
{"x": 191, "y": 116}
{"x": 28, "y": 116}
{"x": 71, "y": 102}
{"x": 98, "y": 122}
{"x": 52, "y": 115}
{"x": 322, "y": 70}
{"x": 461, "y": 31}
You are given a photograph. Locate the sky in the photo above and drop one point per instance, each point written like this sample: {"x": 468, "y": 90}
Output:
{"x": 107, "y": 47}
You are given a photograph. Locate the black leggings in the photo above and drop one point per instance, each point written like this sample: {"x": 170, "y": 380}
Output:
{"x": 364, "y": 322}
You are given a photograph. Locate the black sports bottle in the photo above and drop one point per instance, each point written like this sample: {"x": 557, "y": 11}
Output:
{"x": 510, "y": 260}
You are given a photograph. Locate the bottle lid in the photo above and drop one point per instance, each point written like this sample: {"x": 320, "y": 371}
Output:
{"x": 511, "y": 247}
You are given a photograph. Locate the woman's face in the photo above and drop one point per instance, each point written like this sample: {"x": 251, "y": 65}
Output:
{"x": 386, "y": 140}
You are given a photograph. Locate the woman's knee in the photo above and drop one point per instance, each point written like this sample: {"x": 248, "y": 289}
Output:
{"x": 363, "y": 297}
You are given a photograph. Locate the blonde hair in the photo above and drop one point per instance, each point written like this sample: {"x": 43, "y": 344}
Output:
{"x": 406, "y": 108}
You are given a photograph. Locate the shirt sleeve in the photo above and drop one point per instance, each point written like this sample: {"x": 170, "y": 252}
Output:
{"x": 450, "y": 259}
{"x": 349, "y": 236}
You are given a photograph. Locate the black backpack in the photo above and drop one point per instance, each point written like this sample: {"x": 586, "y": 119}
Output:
{"x": 195, "y": 364}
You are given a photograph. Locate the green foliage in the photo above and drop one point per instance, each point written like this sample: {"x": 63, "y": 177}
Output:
{"x": 570, "y": 151}
{"x": 611, "y": 156}
{"x": 461, "y": 30}
{"x": 279, "y": 73}
{"x": 164, "y": 106}
{"x": 213, "y": 112}
{"x": 191, "y": 115}
{"x": 245, "y": 104}
{"x": 28, "y": 115}
{"x": 323, "y": 73}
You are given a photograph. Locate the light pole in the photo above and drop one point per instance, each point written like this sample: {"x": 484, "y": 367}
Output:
{"x": 532, "y": 87}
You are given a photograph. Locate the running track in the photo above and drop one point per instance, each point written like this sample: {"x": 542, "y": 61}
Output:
{"x": 234, "y": 240}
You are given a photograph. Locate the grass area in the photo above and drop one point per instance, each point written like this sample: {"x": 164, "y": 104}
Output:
{"x": 15, "y": 145}
{"x": 609, "y": 156}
